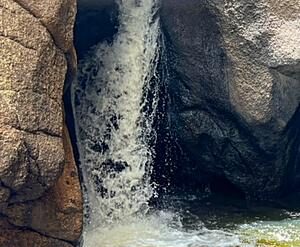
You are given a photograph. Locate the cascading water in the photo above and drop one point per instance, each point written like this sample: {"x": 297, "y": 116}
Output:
{"x": 115, "y": 100}
{"x": 113, "y": 128}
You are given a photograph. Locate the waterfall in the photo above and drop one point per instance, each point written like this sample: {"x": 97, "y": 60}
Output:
{"x": 114, "y": 115}
{"x": 115, "y": 103}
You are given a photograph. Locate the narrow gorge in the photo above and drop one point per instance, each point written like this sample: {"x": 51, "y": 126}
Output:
{"x": 149, "y": 123}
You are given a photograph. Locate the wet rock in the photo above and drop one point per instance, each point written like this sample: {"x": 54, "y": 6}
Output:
{"x": 235, "y": 91}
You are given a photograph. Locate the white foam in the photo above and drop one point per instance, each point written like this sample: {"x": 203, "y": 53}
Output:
{"x": 112, "y": 130}
{"x": 161, "y": 229}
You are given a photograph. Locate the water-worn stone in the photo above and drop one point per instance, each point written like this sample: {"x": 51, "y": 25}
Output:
{"x": 39, "y": 184}
{"x": 234, "y": 80}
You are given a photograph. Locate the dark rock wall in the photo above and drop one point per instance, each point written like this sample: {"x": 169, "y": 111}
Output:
{"x": 232, "y": 72}
{"x": 234, "y": 86}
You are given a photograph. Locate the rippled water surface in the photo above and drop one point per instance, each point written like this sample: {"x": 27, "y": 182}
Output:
{"x": 272, "y": 233}
{"x": 190, "y": 222}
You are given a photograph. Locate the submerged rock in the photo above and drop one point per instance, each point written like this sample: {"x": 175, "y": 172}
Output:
{"x": 235, "y": 91}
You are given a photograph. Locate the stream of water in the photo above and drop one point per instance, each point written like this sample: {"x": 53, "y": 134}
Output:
{"x": 113, "y": 121}
{"x": 113, "y": 128}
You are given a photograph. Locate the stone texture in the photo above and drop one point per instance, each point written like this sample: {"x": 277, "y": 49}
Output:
{"x": 14, "y": 237}
{"x": 234, "y": 83}
{"x": 39, "y": 184}
{"x": 32, "y": 72}
{"x": 30, "y": 163}
{"x": 59, "y": 213}
{"x": 57, "y": 16}
{"x": 270, "y": 42}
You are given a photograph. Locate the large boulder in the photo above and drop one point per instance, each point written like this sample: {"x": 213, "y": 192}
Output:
{"x": 234, "y": 82}
{"x": 36, "y": 40}
{"x": 58, "y": 214}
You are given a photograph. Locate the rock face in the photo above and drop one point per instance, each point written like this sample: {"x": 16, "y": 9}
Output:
{"x": 58, "y": 214}
{"x": 36, "y": 41}
{"x": 235, "y": 91}
{"x": 12, "y": 237}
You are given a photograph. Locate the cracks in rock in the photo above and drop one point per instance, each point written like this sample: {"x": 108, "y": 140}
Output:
{"x": 46, "y": 235}
{"x": 243, "y": 161}
{"x": 230, "y": 119}
{"x": 32, "y": 177}
{"x": 42, "y": 132}
{"x": 27, "y": 184}
{"x": 39, "y": 131}
{"x": 231, "y": 128}
{"x": 19, "y": 42}
{"x": 29, "y": 170}
{"x": 27, "y": 9}
{"x": 36, "y": 132}
{"x": 2, "y": 184}
{"x": 30, "y": 229}
{"x": 289, "y": 70}
{"x": 59, "y": 102}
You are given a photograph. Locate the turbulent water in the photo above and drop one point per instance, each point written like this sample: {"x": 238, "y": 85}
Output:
{"x": 114, "y": 127}
{"x": 115, "y": 100}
